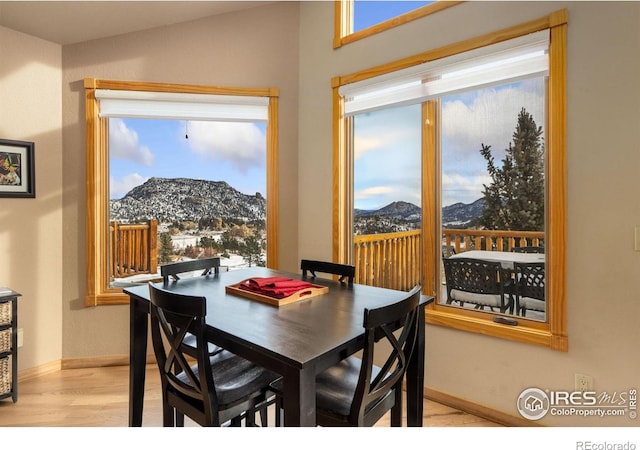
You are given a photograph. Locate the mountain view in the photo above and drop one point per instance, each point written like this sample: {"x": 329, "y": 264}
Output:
{"x": 199, "y": 218}
{"x": 404, "y": 216}
{"x": 183, "y": 199}
{"x": 180, "y": 199}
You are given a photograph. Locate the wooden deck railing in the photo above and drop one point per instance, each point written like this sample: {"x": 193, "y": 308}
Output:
{"x": 393, "y": 260}
{"x": 133, "y": 249}
{"x": 492, "y": 240}
{"x": 390, "y": 260}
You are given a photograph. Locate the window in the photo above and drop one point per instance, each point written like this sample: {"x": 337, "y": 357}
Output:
{"x": 516, "y": 59}
{"x": 107, "y": 102}
{"x": 357, "y": 19}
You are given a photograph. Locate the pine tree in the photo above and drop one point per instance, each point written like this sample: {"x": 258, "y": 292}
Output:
{"x": 166, "y": 248}
{"x": 515, "y": 198}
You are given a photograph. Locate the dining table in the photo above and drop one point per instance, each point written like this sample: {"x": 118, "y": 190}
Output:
{"x": 297, "y": 340}
{"x": 506, "y": 259}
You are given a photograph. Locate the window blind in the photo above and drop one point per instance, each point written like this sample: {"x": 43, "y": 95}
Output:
{"x": 168, "y": 105}
{"x": 508, "y": 61}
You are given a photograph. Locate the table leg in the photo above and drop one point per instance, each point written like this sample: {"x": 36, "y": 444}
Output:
{"x": 138, "y": 328}
{"x": 300, "y": 398}
{"x": 415, "y": 376}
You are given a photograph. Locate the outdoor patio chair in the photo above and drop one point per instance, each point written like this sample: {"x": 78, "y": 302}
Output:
{"x": 529, "y": 287}
{"x": 528, "y": 249}
{"x": 478, "y": 282}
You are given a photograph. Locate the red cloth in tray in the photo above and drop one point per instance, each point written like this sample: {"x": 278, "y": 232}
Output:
{"x": 276, "y": 287}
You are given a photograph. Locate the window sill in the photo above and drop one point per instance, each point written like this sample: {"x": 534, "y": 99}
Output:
{"x": 528, "y": 332}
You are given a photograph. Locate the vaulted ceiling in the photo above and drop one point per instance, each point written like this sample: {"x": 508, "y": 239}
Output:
{"x": 69, "y": 22}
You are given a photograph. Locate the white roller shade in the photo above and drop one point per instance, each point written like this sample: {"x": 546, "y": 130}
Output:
{"x": 508, "y": 61}
{"x": 167, "y": 105}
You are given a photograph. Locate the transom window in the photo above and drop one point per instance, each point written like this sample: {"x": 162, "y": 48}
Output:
{"x": 357, "y": 19}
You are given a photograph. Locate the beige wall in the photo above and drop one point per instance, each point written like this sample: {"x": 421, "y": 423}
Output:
{"x": 603, "y": 271}
{"x": 31, "y": 229}
{"x": 254, "y": 48}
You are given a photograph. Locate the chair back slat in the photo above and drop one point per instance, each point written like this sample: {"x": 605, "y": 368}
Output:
{"x": 207, "y": 265}
{"x": 344, "y": 271}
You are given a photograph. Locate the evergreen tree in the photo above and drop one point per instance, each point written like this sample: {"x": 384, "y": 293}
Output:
{"x": 251, "y": 250}
{"x": 515, "y": 198}
{"x": 166, "y": 248}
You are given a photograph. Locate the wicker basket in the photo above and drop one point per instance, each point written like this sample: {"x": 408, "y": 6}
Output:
{"x": 5, "y": 313}
{"x": 5, "y": 375}
{"x": 5, "y": 340}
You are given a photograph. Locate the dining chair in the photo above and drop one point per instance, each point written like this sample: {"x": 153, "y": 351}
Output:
{"x": 529, "y": 287}
{"x": 356, "y": 392}
{"x": 216, "y": 389}
{"x": 478, "y": 282}
{"x": 344, "y": 271}
{"x": 207, "y": 265}
{"x": 528, "y": 249}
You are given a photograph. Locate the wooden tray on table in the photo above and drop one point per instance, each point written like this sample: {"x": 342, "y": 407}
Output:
{"x": 313, "y": 291}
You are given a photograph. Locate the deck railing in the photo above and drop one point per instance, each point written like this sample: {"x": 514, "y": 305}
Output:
{"x": 492, "y": 240}
{"x": 133, "y": 249}
{"x": 393, "y": 260}
{"x": 390, "y": 260}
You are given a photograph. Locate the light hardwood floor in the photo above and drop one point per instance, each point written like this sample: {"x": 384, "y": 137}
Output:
{"x": 98, "y": 397}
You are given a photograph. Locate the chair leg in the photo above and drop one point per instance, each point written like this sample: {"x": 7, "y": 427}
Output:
{"x": 250, "y": 417}
{"x": 396, "y": 410}
{"x": 279, "y": 411}
{"x": 264, "y": 422}
{"x": 236, "y": 421}
{"x": 168, "y": 416}
{"x": 179, "y": 419}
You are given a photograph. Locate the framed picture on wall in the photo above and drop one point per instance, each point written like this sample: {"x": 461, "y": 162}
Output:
{"x": 17, "y": 169}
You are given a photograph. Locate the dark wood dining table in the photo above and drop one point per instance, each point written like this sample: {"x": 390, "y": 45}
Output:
{"x": 297, "y": 340}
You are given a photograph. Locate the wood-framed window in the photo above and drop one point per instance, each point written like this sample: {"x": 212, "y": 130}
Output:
{"x": 344, "y": 13}
{"x": 99, "y": 289}
{"x": 552, "y": 332}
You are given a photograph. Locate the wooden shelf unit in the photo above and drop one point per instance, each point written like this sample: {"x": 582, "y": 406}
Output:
{"x": 9, "y": 345}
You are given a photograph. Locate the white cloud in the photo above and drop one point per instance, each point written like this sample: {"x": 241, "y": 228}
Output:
{"x": 373, "y": 192}
{"x": 241, "y": 144}
{"x": 489, "y": 117}
{"x": 388, "y": 144}
{"x": 124, "y": 144}
{"x": 457, "y": 187}
{"x": 387, "y": 130}
{"x": 119, "y": 188}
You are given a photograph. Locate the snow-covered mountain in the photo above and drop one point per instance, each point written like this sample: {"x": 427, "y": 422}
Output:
{"x": 176, "y": 199}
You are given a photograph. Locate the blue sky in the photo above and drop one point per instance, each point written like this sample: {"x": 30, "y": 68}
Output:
{"x": 387, "y": 143}
{"x": 217, "y": 151}
{"x": 368, "y": 13}
{"x": 232, "y": 152}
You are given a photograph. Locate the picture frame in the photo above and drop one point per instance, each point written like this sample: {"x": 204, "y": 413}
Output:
{"x": 17, "y": 169}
